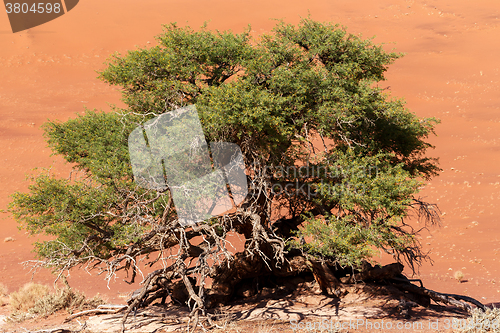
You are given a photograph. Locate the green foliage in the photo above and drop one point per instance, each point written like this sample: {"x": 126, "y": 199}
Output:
{"x": 313, "y": 77}
{"x": 368, "y": 184}
{"x": 371, "y": 197}
{"x": 271, "y": 96}
{"x": 95, "y": 142}
{"x": 59, "y": 208}
{"x": 349, "y": 244}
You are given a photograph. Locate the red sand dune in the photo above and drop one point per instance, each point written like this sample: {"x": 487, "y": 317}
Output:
{"x": 450, "y": 71}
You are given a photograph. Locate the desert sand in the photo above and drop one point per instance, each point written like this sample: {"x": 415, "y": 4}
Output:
{"x": 451, "y": 71}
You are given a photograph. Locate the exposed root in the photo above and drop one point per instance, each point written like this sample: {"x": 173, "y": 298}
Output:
{"x": 185, "y": 291}
{"x": 101, "y": 309}
{"x": 452, "y": 299}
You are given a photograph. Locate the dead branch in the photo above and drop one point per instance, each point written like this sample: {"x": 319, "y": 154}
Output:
{"x": 328, "y": 283}
{"x": 135, "y": 302}
{"x": 452, "y": 299}
{"x": 376, "y": 273}
{"x": 101, "y": 309}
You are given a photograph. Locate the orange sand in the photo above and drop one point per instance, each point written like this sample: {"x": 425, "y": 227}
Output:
{"x": 450, "y": 71}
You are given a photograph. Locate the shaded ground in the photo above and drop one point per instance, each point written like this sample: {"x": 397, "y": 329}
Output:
{"x": 450, "y": 71}
{"x": 363, "y": 309}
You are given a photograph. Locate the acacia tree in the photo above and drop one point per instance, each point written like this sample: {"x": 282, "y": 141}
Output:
{"x": 303, "y": 98}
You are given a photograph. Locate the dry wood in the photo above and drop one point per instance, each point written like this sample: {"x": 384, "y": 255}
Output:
{"x": 100, "y": 310}
{"x": 452, "y": 299}
{"x": 328, "y": 283}
{"x": 376, "y": 273}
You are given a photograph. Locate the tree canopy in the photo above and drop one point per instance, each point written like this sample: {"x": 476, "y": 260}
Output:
{"x": 303, "y": 104}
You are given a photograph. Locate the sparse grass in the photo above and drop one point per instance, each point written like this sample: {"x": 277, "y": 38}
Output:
{"x": 4, "y": 299}
{"x": 3, "y": 290}
{"x": 459, "y": 276}
{"x": 34, "y": 300}
{"x": 67, "y": 299}
{"x": 27, "y": 296}
{"x": 481, "y": 321}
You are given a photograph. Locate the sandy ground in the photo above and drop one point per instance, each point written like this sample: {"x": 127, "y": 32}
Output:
{"x": 450, "y": 71}
{"x": 365, "y": 308}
